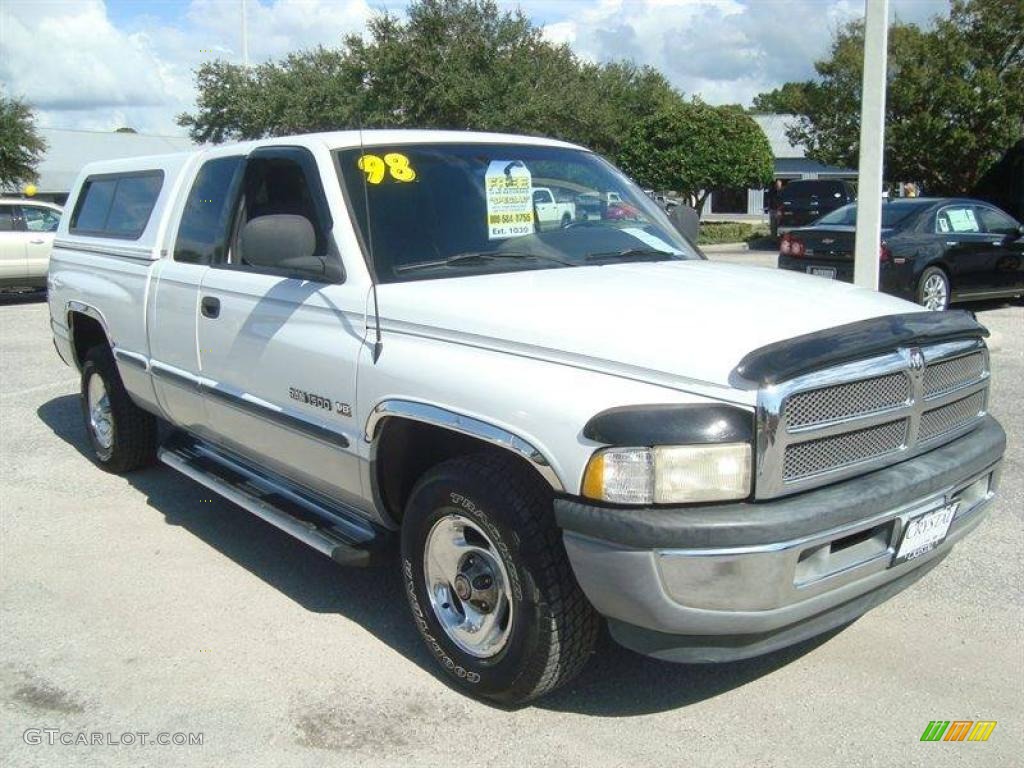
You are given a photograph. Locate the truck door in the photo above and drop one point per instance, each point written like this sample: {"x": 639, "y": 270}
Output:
{"x": 278, "y": 346}
{"x": 202, "y": 237}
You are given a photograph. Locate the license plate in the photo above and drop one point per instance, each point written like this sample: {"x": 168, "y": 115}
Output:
{"x": 828, "y": 272}
{"x": 924, "y": 533}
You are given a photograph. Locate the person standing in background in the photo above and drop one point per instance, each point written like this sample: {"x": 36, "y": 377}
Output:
{"x": 773, "y": 204}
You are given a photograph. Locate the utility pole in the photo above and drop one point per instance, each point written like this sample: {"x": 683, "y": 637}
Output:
{"x": 872, "y": 144}
{"x": 245, "y": 35}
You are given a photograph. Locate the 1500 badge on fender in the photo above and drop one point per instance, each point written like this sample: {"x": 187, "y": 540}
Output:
{"x": 319, "y": 401}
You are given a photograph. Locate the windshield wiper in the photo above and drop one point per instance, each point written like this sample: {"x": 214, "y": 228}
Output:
{"x": 632, "y": 254}
{"x": 473, "y": 256}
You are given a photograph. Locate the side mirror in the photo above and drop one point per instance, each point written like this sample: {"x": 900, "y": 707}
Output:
{"x": 287, "y": 243}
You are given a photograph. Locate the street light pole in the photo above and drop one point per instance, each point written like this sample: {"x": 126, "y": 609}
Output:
{"x": 872, "y": 144}
{"x": 245, "y": 35}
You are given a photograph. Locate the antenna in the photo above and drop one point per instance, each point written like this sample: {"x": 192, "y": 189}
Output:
{"x": 378, "y": 344}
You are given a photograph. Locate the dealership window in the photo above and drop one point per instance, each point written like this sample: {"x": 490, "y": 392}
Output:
{"x": 116, "y": 205}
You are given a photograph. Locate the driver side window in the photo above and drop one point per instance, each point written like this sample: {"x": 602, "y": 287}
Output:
{"x": 40, "y": 219}
{"x": 997, "y": 223}
{"x": 283, "y": 224}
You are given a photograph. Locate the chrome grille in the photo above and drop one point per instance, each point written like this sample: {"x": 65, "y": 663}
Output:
{"x": 842, "y": 401}
{"x": 938, "y": 421}
{"x": 867, "y": 414}
{"x": 828, "y": 453}
{"x": 953, "y": 374}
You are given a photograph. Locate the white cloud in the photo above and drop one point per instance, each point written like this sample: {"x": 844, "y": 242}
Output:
{"x": 724, "y": 50}
{"x": 83, "y": 71}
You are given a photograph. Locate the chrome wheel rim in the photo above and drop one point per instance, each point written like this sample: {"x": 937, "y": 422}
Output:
{"x": 101, "y": 422}
{"x": 935, "y": 292}
{"x": 468, "y": 586}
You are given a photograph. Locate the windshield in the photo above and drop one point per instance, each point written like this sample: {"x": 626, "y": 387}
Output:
{"x": 449, "y": 210}
{"x": 893, "y": 214}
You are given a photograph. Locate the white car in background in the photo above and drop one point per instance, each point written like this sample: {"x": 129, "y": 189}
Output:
{"x": 26, "y": 237}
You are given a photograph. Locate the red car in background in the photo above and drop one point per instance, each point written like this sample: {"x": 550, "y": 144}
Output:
{"x": 621, "y": 211}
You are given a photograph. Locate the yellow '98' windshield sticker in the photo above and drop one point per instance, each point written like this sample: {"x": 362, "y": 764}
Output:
{"x": 393, "y": 164}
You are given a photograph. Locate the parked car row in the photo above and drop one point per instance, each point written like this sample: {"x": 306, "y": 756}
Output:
{"x": 933, "y": 250}
{"x": 26, "y": 237}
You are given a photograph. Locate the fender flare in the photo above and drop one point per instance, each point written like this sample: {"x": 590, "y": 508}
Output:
{"x": 466, "y": 425}
{"x": 75, "y": 307}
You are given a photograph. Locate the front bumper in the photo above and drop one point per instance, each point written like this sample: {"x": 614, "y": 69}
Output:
{"x": 729, "y": 581}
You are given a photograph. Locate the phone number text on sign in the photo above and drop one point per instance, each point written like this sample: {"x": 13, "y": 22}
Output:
{"x": 509, "y": 189}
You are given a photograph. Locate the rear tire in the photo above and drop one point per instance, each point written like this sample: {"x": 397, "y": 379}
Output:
{"x": 122, "y": 435}
{"x": 933, "y": 289}
{"x": 509, "y": 622}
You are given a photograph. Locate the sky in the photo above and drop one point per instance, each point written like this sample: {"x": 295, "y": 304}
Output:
{"x": 104, "y": 64}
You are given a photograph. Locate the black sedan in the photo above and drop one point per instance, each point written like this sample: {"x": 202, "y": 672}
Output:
{"x": 933, "y": 250}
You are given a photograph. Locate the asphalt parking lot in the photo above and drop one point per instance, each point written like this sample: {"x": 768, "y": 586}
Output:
{"x": 142, "y": 604}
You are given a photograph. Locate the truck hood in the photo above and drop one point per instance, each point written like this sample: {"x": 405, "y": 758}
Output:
{"x": 691, "y": 320}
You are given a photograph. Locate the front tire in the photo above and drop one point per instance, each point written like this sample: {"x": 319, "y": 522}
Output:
{"x": 122, "y": 435}
{"x": 933, "y": 289}
{"x": 488, "y": 581}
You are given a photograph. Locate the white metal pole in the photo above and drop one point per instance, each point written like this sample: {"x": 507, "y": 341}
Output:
{"x": 245, "y": 35}
{"x": 872, "y": 144}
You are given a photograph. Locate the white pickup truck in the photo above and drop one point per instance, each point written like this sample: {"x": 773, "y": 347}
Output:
{"x": 366, "y": 340}
{"x": 550, "y": 211}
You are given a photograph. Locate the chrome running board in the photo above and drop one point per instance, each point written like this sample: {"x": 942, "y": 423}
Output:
{"x": 327, "y": 527}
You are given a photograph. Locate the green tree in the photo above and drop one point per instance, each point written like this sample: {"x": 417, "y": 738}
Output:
{"x": 693, "y": 148}
{"x": 955, "y": 99}
{"x": 21, "y": 147}
{"x": 458, "y": 64}
{"x": 789, "y": 99}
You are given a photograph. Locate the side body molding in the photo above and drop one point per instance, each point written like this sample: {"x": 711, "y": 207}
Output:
{"x": 441, "y": 417}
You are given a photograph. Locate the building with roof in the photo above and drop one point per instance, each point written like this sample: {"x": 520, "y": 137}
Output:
{"x": 68, "y": 150}
{"x": 791, "y": 162}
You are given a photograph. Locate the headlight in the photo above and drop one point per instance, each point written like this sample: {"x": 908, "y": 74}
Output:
{"x": 669, "y": 474}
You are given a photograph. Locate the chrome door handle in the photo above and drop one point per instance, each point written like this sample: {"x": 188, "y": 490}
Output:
{"x": 37, "y": 242}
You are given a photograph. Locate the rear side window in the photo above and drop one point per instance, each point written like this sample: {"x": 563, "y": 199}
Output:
{"x": 957, "y": 219}
{"x": 6, "y": 218}
{"x": 116, "y": 205}
{"x": 203, "y": 233}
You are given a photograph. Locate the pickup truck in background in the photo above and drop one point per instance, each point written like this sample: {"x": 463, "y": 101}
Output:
{"x": 27, "y": 228}
{"x": 550, "y": 211}
{"x": 807, "y": 200}
{"x": 366, "y": 339}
